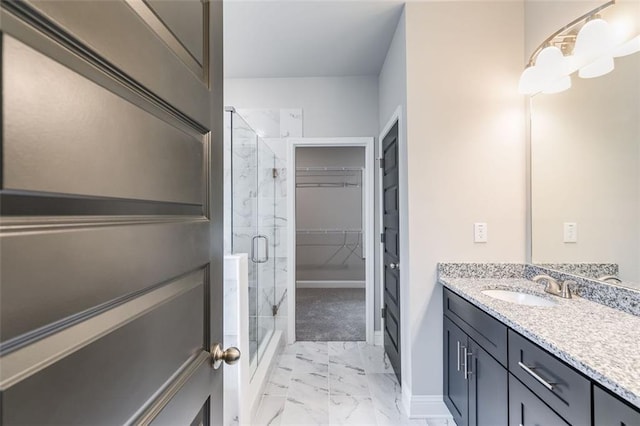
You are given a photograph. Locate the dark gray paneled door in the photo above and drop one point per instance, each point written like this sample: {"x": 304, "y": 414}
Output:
{"x": 110, "y": 202}
{"x": 391, "y": 247}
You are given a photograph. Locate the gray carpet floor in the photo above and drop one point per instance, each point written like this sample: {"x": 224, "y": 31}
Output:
{"x": 330, "y": 314}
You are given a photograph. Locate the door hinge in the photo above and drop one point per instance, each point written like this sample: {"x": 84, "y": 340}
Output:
{"x": 274, "y": 172}
{"x": 381, "y": 160}
{"x": 383, "y": 313}
{"x": 382, "y": 238}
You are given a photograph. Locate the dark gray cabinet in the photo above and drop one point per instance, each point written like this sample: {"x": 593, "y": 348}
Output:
{"x": 475, "y": 383}
{"x": 526, "y": 409}
{"x": 455, "y": 385}
{"x": 487, "y": 388}
{"x": 494, "y": 376}
{"x": 560, "y": 386}
{"x": 610, "y": 411}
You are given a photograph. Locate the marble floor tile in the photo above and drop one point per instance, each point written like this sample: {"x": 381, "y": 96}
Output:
{"x": 335, "y": 383}
{"x": 347, "y": 379}
{"x": 374, "y": 359}
{"x": 340, "y": 348}
{"x": 270, "y": 411}
{"x": 304, "y": 363}
{"x": 351, "y": 410}
{"x": 309, "y": 387}
{"x": 387, "y": 399}
{"x": 278, "y": 383}
{"x": 347, "y": 352}
{"x": 297, "y": 412}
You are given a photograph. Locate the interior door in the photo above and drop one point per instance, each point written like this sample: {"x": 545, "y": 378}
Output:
{"x": 111, "y": 221}
{"x": 391, "y": 248}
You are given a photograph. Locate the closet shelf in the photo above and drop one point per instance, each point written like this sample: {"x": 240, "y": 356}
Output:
{"x": 329, "y": 177}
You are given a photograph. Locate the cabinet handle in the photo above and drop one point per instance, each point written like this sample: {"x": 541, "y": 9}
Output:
{"x": 533, "y": 374}
{"x": 458, "y": 358}
{"x": 467, "y": 354}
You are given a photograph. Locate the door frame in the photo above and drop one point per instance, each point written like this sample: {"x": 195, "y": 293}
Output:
{"x": 368, "y": 230}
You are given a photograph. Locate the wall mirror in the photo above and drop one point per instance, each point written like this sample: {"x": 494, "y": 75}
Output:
{"x": 585, "y": 173}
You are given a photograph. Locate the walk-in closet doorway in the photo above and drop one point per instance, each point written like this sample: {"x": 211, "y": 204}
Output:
{"x": 331, "y": 239}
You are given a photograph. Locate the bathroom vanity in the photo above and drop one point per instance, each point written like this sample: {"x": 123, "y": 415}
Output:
{"x": 570, "y": 362}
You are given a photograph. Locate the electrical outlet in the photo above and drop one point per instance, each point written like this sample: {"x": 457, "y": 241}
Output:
{"x": 570, "y": 232}
{"x": 480, "y": 232}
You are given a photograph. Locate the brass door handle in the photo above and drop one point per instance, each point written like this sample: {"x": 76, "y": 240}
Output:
{"x": 230, "y": 356}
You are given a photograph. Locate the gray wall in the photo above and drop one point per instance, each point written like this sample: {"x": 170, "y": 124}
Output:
{"x": 465, "y": 158}
{"x": 331, "y": 106}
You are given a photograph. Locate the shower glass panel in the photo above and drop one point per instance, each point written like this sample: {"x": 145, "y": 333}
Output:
{"x": 253, "y": 220}
{"x": 266, "y": 269}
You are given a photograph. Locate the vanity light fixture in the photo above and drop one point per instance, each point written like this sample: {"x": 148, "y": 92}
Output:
{"x": 630, "y": 47}
{"x": 593, "y": 49}
{"x": 585, "y": 45}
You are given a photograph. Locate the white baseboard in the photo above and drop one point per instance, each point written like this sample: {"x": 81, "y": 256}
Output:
{"x": 378, "y": 339}
{"x": 329, "y": 284}
{"x": 426, "y": 407}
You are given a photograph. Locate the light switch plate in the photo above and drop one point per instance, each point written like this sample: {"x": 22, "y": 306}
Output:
{"x": 570, "y": 232}
{"x": 480, "y": 232}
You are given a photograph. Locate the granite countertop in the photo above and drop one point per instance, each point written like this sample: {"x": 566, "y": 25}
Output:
{"x": 601, "y": 342}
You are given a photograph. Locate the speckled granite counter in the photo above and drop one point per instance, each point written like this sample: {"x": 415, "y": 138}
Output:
{"x": 599, "y": 341}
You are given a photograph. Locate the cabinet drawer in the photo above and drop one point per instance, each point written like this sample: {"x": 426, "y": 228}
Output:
{"x": 488, "y": 332}
{"x": 560, "y": 386}
{"x": 609, "y": 410}
{"x": 526, "y": 409}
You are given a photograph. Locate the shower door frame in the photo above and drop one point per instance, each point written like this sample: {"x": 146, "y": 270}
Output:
{"x": 368, "y": 229}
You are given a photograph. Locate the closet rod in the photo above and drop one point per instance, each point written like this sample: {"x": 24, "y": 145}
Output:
{"x": 329, "y": 231}
{"x": 328, "y": 169}
{"x": 327, "y": 185}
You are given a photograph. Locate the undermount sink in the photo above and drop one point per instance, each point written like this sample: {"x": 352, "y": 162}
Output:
{"x": 519, "y": 298}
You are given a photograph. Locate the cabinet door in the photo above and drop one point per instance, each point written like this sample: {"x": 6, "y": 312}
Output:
{"x": 526, "y": 409}
{"x": 488, "y": 388}
{"x": 609, "y": 410}
{"x": 455, "y": 384}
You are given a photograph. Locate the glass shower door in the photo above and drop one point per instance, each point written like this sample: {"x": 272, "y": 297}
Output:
{"x": 266, "y": 224}
{"x": 253, "y": 221}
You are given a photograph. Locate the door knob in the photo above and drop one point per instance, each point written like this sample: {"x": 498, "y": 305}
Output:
{"x": 230, "y": 356}
{"x": 394, "y": 265}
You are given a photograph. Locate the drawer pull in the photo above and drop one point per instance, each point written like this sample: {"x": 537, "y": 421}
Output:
{"x": 535, "y": 375}
{"x": 466, "y": 356}
{"x": 458, "y": 355}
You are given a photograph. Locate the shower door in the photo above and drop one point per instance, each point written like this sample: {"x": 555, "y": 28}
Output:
{"x": 265, "y": 247}
{"x": 253, "y": 218}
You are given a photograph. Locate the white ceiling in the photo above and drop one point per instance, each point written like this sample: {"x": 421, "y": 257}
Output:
{"x": 307, "y": 38}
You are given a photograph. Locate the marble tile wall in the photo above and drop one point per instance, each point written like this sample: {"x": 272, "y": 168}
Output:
{"x": 274, "y": 123}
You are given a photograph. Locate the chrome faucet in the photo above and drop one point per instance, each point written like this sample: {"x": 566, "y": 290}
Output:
{"x": 554, "y": 287}
{"x": 612, "y": 278}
